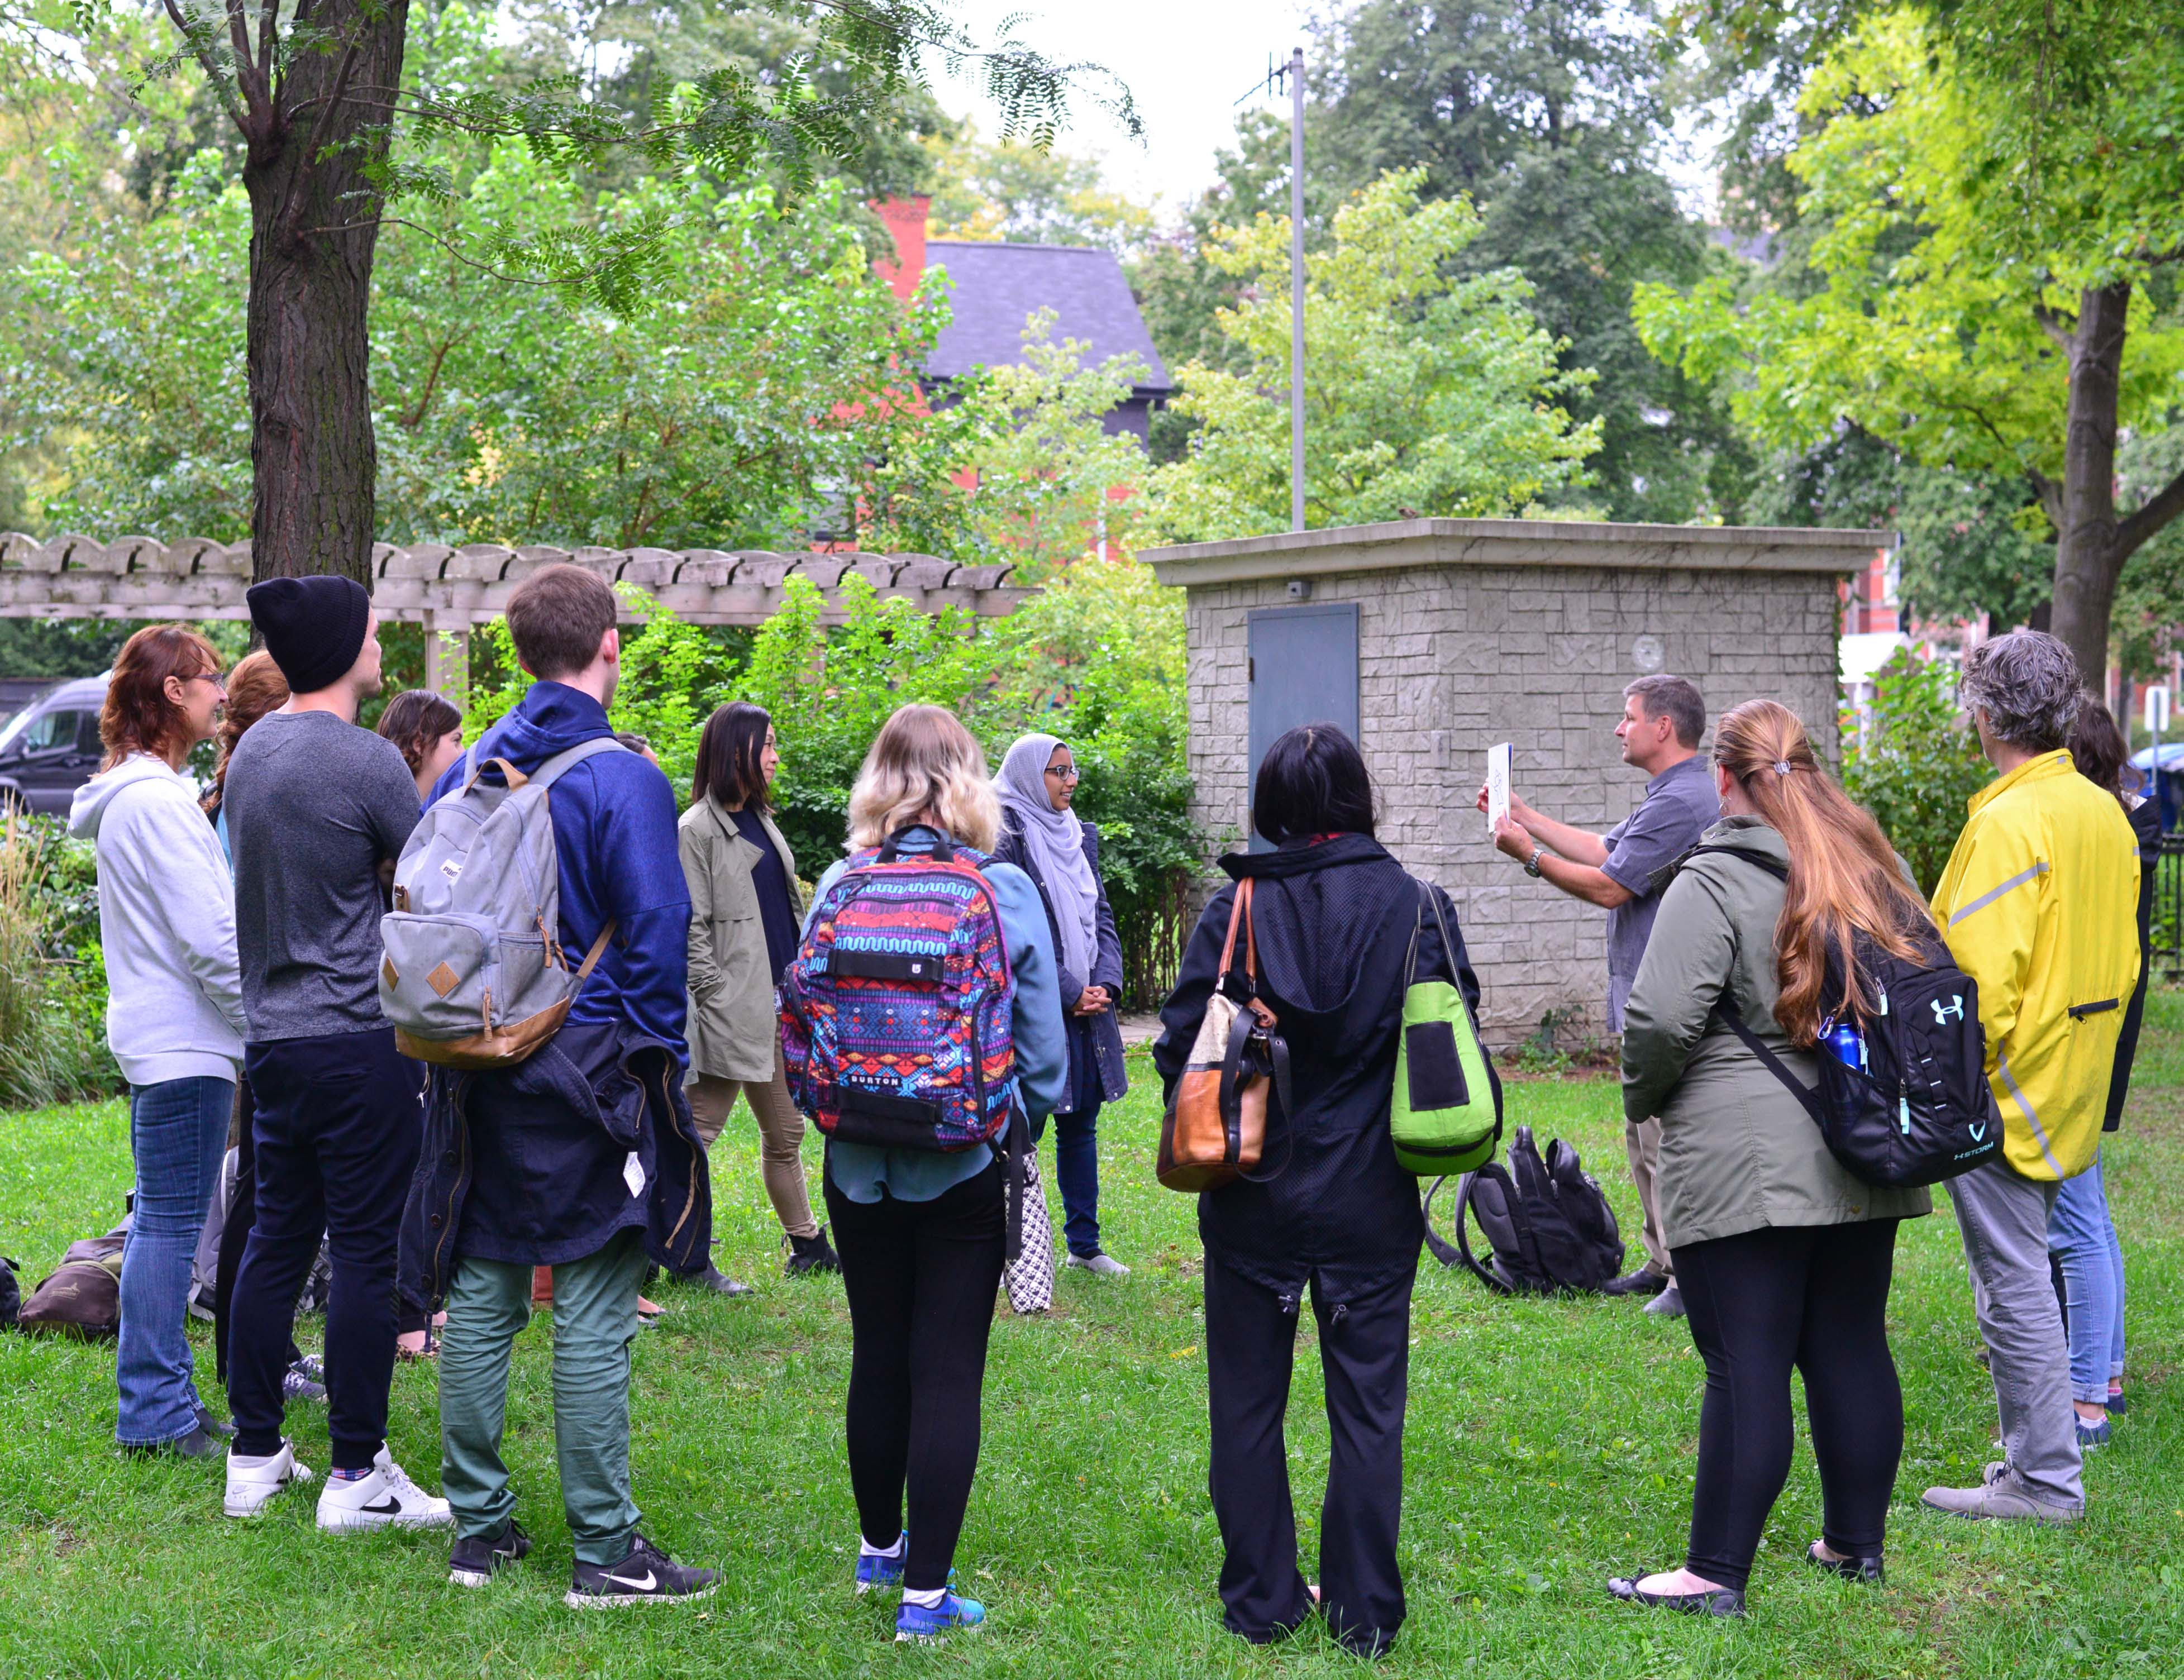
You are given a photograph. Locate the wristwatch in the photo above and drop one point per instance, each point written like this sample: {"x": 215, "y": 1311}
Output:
{"x": 1532, "y": 863}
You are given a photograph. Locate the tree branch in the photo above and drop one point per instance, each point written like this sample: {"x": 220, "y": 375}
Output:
{"x": 309, "y": 161}
{"x": 2164, "y": 505}
{"x": 453, "y": 251}
{"x": 219, "y": 83}
{"x": 257, "y": 91}
{"x": 2052, "y": 324}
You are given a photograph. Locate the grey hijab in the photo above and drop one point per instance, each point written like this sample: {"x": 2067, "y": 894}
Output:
{"x": 1055, "y": 842}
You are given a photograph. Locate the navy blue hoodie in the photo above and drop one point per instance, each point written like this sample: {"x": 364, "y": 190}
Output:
{"x": 544, "y": 1162}
{"x": 614, "y": 831}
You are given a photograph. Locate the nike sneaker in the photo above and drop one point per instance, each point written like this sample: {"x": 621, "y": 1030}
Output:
{"x": 252, "y": 1482}
{"x": 647, "y": 1576}
{"x": 924, "y": 1624}
{"x": 386, "y": 1499}
{"x": 474, "y": 1561}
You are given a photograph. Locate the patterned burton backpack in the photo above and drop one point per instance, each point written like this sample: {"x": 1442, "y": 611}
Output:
{"x": 895, "y": 1014}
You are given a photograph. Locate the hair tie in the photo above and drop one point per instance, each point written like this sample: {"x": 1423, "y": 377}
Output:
{"x": 1782, "y": 767}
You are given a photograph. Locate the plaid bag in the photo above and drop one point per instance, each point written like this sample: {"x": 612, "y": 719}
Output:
{"x": 1030, "y": 1278}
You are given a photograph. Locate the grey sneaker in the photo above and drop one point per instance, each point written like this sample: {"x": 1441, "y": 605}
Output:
{"x": 1103, "y": 1265}
{"x": 2002, "y": 1495}
{"x": 1669, "y": 1303}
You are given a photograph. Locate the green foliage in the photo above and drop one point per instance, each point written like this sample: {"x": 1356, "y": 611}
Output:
{"x": 1424, "y": 394}
{"x": 1004, "y": 189}
{"x": 1913, "y": 765}
{"x": 830, "y": 687}
{"x": 53, "y": 969}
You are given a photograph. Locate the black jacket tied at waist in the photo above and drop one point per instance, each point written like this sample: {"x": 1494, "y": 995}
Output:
{"x": 1333, "y": 920}
{"x": 529, "y": 1164}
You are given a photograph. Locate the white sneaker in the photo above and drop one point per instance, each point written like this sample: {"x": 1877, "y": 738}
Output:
{"x": 251, "y": 1482}
{"x": 386, "y": 1499}
{"x": 1103, "y": 1265}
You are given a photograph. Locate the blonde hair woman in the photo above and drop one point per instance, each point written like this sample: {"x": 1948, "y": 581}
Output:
{"x": 1783, "y": 1255}
{"x": 921, "y": 1234}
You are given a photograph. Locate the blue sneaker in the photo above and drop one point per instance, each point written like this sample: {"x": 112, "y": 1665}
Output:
{"x": 2092, "y": 1435}
{"x": 875, "y": 1571}
{"x": 922, "y": 1624}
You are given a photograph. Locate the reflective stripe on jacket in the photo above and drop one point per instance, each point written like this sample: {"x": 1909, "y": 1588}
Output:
{"x": 2039, "y": 904}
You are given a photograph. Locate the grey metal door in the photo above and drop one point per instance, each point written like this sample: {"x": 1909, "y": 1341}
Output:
{"x": 1303, "y": 669}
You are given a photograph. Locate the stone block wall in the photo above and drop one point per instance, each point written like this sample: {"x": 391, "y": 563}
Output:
{"x": 1453, "y": 658}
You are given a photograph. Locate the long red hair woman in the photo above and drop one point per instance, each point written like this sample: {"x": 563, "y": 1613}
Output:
{"x": 1783, "y": 1257}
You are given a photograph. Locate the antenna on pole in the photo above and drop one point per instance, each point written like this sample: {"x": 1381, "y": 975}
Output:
{"x": 1292, "y": 72}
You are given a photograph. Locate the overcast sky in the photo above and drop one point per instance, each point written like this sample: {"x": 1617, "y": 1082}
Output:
{"x": 1185, "y": 62}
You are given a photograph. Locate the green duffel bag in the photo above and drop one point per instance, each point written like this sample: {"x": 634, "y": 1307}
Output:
{"x": 1446, "y": 1115}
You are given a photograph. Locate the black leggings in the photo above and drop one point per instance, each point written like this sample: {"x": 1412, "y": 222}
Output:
{"x": 921, "y": 1277}
{"x": 1814, "y": 1296}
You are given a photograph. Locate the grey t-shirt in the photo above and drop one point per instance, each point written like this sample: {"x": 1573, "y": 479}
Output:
{"x": 1680, "y": 804}
{"x": 314, "y": 806}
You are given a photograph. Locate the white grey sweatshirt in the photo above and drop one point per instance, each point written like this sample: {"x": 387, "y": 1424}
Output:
{"x": 166, "y": 916}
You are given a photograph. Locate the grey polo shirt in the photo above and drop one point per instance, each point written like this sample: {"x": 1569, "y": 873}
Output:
{"x": 1680, "y": 804}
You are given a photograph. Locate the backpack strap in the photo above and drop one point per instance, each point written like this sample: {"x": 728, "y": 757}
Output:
{"x": 563, "y": 762}
{"x": 1725, "y": 1007}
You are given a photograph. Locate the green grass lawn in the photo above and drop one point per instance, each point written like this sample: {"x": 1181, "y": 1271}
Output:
{"x": 1550, "y": 1445}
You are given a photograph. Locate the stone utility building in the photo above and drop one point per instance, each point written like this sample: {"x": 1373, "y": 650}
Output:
{"x": 1430, "y": 640}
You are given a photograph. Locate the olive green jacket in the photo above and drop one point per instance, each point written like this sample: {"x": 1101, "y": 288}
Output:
{"x": 1738, "y": 1151}
{"x": 733, "y": 1029}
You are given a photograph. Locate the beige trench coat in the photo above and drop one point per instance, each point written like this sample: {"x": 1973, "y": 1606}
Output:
{"x": 732, "y": 1028}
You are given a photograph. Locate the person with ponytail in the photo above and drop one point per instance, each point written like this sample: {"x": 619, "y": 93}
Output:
{"x": 1783, "y": 1256}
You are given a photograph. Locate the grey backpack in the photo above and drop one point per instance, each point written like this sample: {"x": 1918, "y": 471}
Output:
{"x": 473, "y": 975}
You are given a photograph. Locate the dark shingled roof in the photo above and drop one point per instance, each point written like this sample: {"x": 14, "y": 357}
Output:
{"x": 993, "y": 288}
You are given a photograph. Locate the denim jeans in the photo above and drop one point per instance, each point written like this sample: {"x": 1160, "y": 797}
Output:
{"x": 1077, "y": 1166}
{"x": 178, "y": 1134}
{"x": 2083, "y": 1237}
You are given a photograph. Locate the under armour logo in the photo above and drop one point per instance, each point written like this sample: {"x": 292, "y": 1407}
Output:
{"x": 1942, "y": 1011}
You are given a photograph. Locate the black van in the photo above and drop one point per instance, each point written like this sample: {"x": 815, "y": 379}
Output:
{"x": 51, "y": 748}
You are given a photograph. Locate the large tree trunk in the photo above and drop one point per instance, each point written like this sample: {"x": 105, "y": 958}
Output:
{"x": 314, "y": 230}
{"x": 2088, "y": 557}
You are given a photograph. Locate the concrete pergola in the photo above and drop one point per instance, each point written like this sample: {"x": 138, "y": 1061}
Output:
{"x": 449, "y": 589}
{"x": 1433, "y": 639}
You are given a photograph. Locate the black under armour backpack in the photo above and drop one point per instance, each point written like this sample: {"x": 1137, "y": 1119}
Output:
{"x": 1547, "y": 1225}
{"x": 1919, "y": 1110}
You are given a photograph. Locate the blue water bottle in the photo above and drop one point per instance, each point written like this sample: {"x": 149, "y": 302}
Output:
{"x": 1846, "y": 1044}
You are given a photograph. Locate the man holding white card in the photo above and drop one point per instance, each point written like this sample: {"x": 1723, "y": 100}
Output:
{"x": 1663, "y": 718}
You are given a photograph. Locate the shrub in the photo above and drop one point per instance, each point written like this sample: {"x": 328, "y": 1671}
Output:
{"x": 53, "y": 969}
{"x": 1916, "y": 765}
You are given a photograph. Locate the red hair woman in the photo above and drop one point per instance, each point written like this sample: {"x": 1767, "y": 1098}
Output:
{"x": 173, "y": 1018}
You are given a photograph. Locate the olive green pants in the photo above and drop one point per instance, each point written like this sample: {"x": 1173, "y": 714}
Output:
{"x": 594, "y": 1319}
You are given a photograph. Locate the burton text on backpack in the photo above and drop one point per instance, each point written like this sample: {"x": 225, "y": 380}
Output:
{"x": 895, "y": 1014}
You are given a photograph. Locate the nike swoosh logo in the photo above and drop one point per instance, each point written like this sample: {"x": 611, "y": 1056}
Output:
{"x": 388, "y": 1506}
{"x": 646, "y": 1585}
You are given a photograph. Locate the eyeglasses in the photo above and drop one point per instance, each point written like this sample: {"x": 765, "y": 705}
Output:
{"x": 214, "y": 678}
{"x": 1066, "y": 772}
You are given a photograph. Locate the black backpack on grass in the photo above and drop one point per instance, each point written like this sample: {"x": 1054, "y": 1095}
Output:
{"x": 1548, "y": 1228}
{"x": 1919, "y": 1110}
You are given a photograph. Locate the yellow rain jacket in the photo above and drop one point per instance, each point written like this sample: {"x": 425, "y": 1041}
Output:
{"x": 2040, "y": 905}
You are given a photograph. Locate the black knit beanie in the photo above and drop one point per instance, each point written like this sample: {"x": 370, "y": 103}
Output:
{"x": 313, "y": 627}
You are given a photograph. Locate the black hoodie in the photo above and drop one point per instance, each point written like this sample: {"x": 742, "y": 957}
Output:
{"x": 1333, "y": 920}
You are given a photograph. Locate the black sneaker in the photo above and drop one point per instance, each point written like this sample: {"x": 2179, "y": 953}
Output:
{"x": 473, "y": 1563}
{"x": 199, "y": 1442}
{"x": 647, "y": 1576}
{"x": 1643, "y": 1281}
{"x": 213, "y": 1425}
{"x": 808, "y": 1254}
{"x": 712, "y": 1277}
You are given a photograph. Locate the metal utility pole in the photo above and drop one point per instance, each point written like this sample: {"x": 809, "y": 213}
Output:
{"x": 1297, "y": 289}
{"x": 1293, "y": 72}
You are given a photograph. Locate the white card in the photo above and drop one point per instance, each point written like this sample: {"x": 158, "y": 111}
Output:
{"x": 1497, "y": 785}
{"x": 633, "y": 1174}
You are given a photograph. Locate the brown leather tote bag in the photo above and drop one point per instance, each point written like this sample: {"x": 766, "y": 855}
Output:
{"x": 1215, "y": 1131}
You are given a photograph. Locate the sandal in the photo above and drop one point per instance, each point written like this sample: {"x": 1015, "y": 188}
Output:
{"x": 1865, "y": 1570}
{"x": 1715, "y": 1601}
